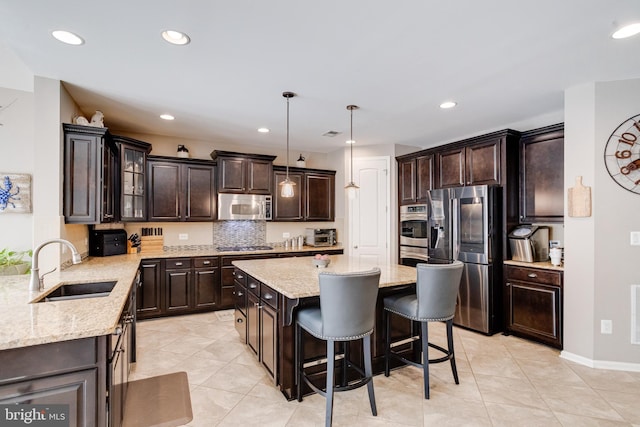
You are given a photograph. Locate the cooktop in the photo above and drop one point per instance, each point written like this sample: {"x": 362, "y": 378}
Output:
{"x": 243, "y": 248}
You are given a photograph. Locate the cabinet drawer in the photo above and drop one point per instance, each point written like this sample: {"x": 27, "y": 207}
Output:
{"x": 240, "y": 298}
{"x": 269, "y": 296}
{"x": 240, "y": 277}
{"x": 546, "y": 277}
{"x": 205, "y": 262}
{"x": 253, "y": 286}
{"x": 177, "y": 263}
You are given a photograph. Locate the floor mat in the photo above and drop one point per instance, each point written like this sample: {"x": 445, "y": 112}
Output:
{"x": 162, "y": 401}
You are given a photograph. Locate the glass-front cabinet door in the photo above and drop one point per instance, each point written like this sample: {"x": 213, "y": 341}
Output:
{"x": 132, "y": 190}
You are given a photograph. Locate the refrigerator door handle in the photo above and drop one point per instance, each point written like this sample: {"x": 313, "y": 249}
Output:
{"x": 455, "y": 225}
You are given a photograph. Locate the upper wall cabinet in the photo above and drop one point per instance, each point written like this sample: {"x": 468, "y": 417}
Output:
{"x": 180, "y": 189}
{"x": 314, "y": 195}
{"x": 415, "y": 178}
{"x": 542, "y": 175}
{"x": 243, "y": 173}
{"x": 476, "y": 161}
{"x": 133, "y": 164}
{"x": 90, "y": 175}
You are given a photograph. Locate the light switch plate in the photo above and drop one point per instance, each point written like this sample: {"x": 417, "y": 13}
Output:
{"x": 606, "y": 327}
{"x": 286, "y": 235}
{"x": 183, "y": 236}
{"x": 634, "y": 238}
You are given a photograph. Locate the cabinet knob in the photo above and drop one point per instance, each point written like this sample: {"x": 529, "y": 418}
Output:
{"x": 240, "y": 294}
{"x": 239, "y": 320}
{"x": 240, "y": 276}
{"x": 532, "y": 275}
{"x": 118, "y": 331}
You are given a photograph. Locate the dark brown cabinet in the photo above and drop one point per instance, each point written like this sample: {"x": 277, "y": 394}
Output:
{"x": 180, "y": 190}
{"x": 71, "y": 373}
{"x": 262, "y": 324}
{"x": 133, "y": 163}
{"x": 178, "y": 286}
{"x": 149, "y": 298}
{"x": 534, "y": 303}
{"x": 243, "y": 173}
{"x": 314, "y": 195}
{"x": 478, "y": 163}
{"x": 542, "y": 175}
{"x": 415, "y": 178}
{"x": 241, "y": 304}
{"x": 227, "y": 278}
{"x": 90, "y": 174}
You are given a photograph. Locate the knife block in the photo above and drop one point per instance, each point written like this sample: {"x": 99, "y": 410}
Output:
{"x": 151, "y": 243}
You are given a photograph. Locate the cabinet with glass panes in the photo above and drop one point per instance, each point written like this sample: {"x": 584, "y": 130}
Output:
{"x": 133, "y": 155}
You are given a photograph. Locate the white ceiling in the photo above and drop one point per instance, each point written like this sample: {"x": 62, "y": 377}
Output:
{"x": 505, "y": 62}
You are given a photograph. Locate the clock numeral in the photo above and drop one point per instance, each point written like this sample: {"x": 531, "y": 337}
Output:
{"x": 626, "y": 170}
{"x": 628, "y": 138}
{"x": 625, "y": 154}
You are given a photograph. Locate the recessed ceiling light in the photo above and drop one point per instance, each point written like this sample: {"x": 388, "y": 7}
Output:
{"x": 627, "y": 31}
{"x": 67, "y": 37}
{"x": 175, "y": 37}
{"x": 448, "y": 104}
{"x": 263, "y": 130}
{"x": 166, "y": 117}
{"x": 351, "y": 141}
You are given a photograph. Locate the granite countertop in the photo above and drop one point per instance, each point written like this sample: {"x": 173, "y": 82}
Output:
{"x": 546, "y": 265}
{"x": 23, "y": 323}
{"x": 298, "y": 277}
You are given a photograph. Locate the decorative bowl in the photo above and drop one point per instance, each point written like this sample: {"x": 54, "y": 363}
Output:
{"x": 320, "y": 263}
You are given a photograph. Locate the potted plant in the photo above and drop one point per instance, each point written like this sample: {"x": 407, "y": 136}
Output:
{"x": 13, "y": 262}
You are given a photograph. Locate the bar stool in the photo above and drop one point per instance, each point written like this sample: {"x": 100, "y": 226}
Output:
{"x": 434, "y": 301}
{"x": 346, "y": 313}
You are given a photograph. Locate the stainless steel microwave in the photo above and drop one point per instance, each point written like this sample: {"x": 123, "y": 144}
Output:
{"x": 244, "y": 206}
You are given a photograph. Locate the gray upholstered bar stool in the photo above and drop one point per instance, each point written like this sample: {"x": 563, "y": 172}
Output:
{"x": 346, "y": 313}
{"x": 434, "y": 301}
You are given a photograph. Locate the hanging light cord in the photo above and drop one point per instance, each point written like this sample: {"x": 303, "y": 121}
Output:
{"x": 287, "y": 138}
{"x": 352, "y": 141}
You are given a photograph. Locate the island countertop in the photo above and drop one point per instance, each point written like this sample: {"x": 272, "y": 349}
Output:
{"x": 298, "y": 277}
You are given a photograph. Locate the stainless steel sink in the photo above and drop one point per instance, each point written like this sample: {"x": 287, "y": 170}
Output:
{"x": 69, "y": 291}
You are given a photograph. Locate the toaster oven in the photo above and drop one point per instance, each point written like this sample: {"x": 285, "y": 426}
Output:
{"x": 321, "y": 236}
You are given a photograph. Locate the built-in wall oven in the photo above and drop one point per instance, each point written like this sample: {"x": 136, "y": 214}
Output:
{"x": 414, "y": 239}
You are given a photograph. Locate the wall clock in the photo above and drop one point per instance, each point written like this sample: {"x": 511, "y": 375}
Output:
{"x": 622, "y": 154}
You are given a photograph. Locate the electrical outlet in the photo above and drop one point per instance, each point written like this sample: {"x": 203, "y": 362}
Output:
{"x": 286, "y": 235}
{"x": 183, "y": 236}
{"x": 634, "y": 238}
{"x": 606, "y": 326}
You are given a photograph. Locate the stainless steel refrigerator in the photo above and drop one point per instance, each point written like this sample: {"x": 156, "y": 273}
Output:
{"x": 463, "y": 223}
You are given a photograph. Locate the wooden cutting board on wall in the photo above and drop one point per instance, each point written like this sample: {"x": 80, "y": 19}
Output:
{"x": 579, "y": 199}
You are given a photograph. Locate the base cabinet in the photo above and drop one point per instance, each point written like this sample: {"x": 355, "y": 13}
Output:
{"x": 262, "y": 324}
{"x": 175, "y": 286}
{"x": 534, "y": 304}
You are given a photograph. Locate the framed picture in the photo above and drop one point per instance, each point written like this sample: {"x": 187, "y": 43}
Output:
{"x": 15, "y": 193}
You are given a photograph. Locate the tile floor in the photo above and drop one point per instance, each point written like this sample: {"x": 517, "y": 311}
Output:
{"x": 504, "y": 381}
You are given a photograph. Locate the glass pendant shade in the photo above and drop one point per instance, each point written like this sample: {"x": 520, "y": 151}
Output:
{"x": 286, "y": 188}
{"x": 352, "y": 190}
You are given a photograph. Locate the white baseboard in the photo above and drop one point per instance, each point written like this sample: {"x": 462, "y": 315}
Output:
{"x": 600, "y": 364}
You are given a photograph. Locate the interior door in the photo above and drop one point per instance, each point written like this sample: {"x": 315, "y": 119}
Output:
{"x": 369, "y": 227}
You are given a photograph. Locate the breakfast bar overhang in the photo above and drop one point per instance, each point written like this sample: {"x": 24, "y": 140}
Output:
{"x": 269, "y": 292}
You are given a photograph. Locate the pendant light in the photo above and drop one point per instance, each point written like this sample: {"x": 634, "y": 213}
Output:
{"x": 351, "y": 187}
{"x": 286, "y": 189}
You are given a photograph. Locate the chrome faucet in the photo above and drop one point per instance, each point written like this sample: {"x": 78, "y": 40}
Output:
{"x": 36, "y": 283}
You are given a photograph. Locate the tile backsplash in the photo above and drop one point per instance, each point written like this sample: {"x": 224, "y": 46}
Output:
{"x": 239, "y": 233}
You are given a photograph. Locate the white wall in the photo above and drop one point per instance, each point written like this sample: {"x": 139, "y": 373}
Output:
{"x": 600, "y": 265}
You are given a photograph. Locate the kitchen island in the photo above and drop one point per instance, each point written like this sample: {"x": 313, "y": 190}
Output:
{"x": 270, "y": 291}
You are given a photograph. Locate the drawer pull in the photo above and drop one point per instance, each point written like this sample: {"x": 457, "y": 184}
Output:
{"x": 240, "y": 294}
{"x": 240, "y": 276}
{"x": 206, "y": 262}
{"x": 532, "y": 275}
{"x": 253, "y": 286}
{"x": 178, "y": 263}
{"x": 268, "y": 296}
